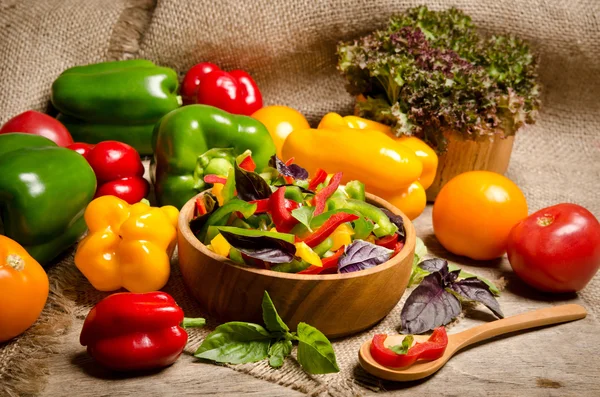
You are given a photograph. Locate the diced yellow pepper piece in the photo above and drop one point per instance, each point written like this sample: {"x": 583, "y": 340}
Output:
{"x": 217, "y": 190}
{"x": 220, "y": 246}
{"x": 341, "y": 236}
{"x": 305, "y": 253}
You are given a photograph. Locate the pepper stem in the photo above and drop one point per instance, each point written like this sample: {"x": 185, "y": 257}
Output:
{"x": 16, "y": 262}
{"x": 193, "y": 322}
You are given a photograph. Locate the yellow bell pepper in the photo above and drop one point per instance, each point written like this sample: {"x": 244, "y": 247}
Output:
{"x": 128, "y": 246}
{"x": 305, "y": 253}
{"x": 220, "y": 246}
{"x": 374, "y": 159}
{"x": 424, "y": 152}
{"x": 341, "y": 236}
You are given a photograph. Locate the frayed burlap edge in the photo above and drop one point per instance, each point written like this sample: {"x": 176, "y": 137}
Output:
{"x": 21, "y": 377}
{"x": 129, "y": 29}
{"x": 24, "y": 377}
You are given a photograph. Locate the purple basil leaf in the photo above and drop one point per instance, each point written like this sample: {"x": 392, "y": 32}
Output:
{"x": 362, "y": 255}
{"x": 474, "y": 289}
{"x": 434, "y": 265}
{"x": 268, "y": 249}
{"x": 250, "y": 186}
{"x": 398, "y": 221}
{"x": 293, "y": 170}
{"x": 429, "y": 306}
{"x": 451, "y": 277}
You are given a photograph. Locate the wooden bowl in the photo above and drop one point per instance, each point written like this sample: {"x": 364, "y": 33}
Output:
{"x": 337, "y": 304}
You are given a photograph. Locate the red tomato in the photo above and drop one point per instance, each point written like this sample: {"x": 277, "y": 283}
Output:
{"x": 81, "y": 148}
{"x": 556, "y": 249}
{"x": 131, "y": 189}
{"x": 114, "y": 160}
{"x": 37, "y": 123}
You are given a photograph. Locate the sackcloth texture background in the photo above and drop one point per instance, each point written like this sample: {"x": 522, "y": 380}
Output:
{"x": 289, "y": 48}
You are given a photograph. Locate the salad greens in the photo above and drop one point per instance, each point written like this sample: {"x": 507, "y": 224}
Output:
{"x": 284, "y": 221}
{"x": 240, "y": 342}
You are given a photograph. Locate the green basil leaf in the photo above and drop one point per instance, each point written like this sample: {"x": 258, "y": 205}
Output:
{"x": 278, "y": 352}
{"x": 407, "y": 343}
{"x": 271, "y": 318}
{"x": 304, "y": 215}
{"x": 235, "y": 343}
{"x": 315, "y": 353}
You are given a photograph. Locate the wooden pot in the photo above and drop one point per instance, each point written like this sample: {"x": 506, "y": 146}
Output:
{"x": 489, "y": 154}
{"x": 337, "y": 304}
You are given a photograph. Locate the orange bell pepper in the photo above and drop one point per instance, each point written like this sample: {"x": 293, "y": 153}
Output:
{"x": 128, "y": 246}
{"x": 23, "y": 289}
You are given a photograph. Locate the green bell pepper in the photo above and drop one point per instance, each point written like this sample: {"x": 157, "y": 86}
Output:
{"x": 120, "y": 100}
{"x": 44, "y": 190}
{"x": 197, "y": 140}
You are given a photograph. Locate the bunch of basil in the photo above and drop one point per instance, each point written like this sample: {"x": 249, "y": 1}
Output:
{"x": 240, "y": 342}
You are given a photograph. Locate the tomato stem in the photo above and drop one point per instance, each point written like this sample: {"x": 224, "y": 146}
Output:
{"x": 16, "y": 262}
{"x": 545, "y": 220}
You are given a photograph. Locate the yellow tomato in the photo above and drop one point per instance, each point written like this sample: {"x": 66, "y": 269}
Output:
{"x": 280, "y": 121}
{"x": 474, "y": 213}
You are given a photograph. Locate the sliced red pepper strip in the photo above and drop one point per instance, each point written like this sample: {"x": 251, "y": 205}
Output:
{"x": 320, "y": 177}
{"x": 397, "y": 248}
{"x": 323, "y": 194}
{"x": 200, "y": 208}
{"x": 433, "y": 349}
{"x": 328, "y": 263}
{"x": 328, "y": 227}
{"x": 214, "y": 179}
{"x": 388, "y": 241}
{"x": 263, "y": 205}
{"x": 282, "y": 217}
{"x": 248, "y": 164}
{"x": 290, "y": 161}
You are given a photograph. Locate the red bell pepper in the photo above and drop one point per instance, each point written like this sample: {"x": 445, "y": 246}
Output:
{"x": 282, "y": 217}
{"x": 397, "y": 248}
{"x": 263, "y": 205}
{"x": 314, "y": 239}
{"x": 322, "y": 195}
{"x": 320, "y": 177}
{"x": 388, "y": 242}
{"x": 128, "y": 331}
{"x": 214, "y": 179}
{"x": 329, "y": 263}
{"x": 433, "y": 349}
{"x": 200, "y": 208}
{"x": 248, "y": 164}
{"x": 119, "y": 171}
{"x": 235, "y": 92}
{"x": 32, "y": 122}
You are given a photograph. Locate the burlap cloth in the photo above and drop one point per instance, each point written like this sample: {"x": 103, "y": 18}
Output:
{"x": 289, "y": 47}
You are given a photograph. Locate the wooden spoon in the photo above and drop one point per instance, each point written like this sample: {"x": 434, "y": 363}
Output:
{"x": 422, "y": 369}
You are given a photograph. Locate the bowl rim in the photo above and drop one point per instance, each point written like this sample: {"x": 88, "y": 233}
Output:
{"x": 186, "y": 213}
